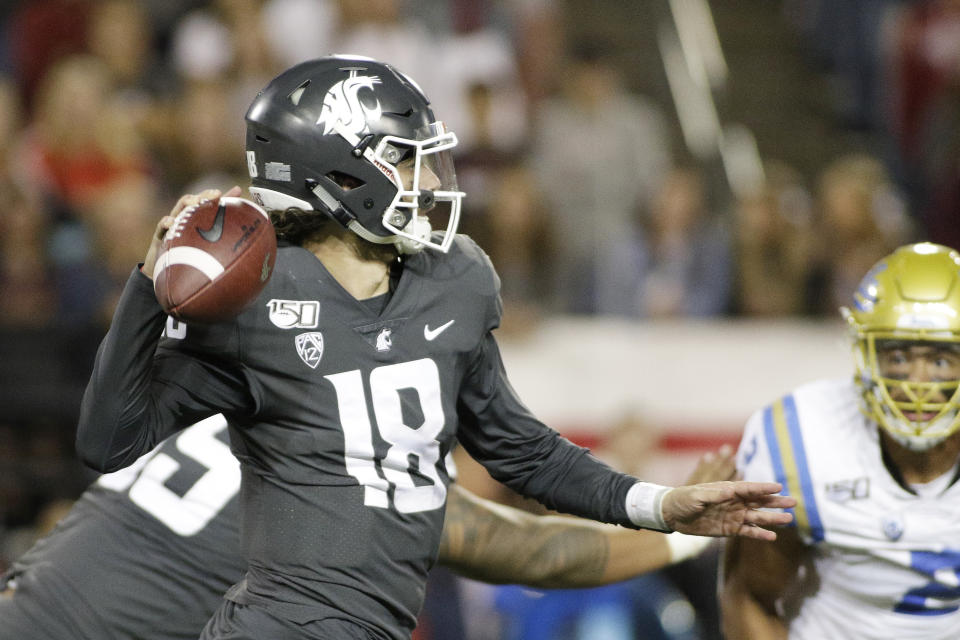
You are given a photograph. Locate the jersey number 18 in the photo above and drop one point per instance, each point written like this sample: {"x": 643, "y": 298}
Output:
{"x": 414, "y": 450}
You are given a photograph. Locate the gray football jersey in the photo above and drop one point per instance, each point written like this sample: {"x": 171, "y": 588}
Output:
{"x": 146, "y": 553}
{"x": 341, "y": 419}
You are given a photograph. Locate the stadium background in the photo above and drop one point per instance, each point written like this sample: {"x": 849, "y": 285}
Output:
{"x": 731, "y": 167}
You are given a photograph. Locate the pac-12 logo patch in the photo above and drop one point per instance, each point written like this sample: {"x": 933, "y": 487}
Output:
{"x": 294, "y": 314}
{"x": 310, "y": 348}
{"x": 344, "y": 104}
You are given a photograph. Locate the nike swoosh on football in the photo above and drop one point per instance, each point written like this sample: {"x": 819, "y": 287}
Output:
{"x": 216, "y": 229}
{"x": 430, "y": 334}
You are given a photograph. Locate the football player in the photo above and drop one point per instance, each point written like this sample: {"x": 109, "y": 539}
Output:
{"x": 147, "y": 552}
{"x": 873, "y": 462}
{"x": 369, "y": 353}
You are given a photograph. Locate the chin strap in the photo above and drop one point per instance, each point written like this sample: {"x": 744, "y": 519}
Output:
{"x": 421, "y": 232}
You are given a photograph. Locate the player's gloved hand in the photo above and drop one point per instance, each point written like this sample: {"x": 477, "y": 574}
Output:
{"x": 727, "y": 509}
{"x": 188, "y": 200}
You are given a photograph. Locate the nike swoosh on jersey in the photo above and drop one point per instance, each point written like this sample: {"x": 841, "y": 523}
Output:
{"x": 216, "y": 229}
{"x": 430, "y": 334}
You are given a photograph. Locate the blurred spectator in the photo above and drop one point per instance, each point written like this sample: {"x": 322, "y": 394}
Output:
{"x": 81, "y": 141}
{"x": 450, "y": 65}
{"x": 118, "y": 32}
{"x": 680, "y": 263}
{"x": 12, "y": 119}
{"x": 847, "y": 40}
{"x": 925, "y": 61}
{"x": 80, "y": 137}
{"x": 540, "y": 42}
{"x": 774, "y": 245}
{"x": 599, "y": 154}
{"x": 205, "y": 141}
{"x": 225, "y": 41}
{"x": 936, "y": 202}
{"x": 121, "y": 220}
{"x": 513, "y": 227}
{"x": 861, "y": 219}
{"x": 381, "y": 29}
{"x": 298, "y": 30}
{"x": 925, "y": 55}
{"x": 41, "y": 32}
{"x": 25, "y": 285}
{"x": 484, "y": 101}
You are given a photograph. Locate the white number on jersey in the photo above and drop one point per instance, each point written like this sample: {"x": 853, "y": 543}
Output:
{"x": 185, "y": 515}
{"x": 406, "y": 441}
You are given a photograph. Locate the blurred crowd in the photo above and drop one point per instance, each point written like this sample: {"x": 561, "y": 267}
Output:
{"x": 578, "y": 186}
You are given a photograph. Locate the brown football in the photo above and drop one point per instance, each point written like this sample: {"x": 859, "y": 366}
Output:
{"x": 215, "y": 260}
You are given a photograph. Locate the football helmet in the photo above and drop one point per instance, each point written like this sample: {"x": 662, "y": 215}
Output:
{"x": 357, "y": 140}
{"x": 911, "y": 296}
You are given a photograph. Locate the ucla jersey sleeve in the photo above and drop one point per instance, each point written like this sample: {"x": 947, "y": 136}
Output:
{"x": 773, "y": 449}
{"x": 134, "y": 400}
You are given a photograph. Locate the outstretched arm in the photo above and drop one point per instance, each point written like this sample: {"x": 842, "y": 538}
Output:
{"x": 518, "y": 450}
{"x": 483, "y": 540}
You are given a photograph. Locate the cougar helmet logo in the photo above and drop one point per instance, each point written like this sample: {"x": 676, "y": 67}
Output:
{"x": 343, "y": 104}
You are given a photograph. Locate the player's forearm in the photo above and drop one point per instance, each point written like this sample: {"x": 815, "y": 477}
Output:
{"x": 110, "y": 431}
{"x": 553, "y": 555}
{"x": 629, "y": 553}
{"x": 483, "y": 540}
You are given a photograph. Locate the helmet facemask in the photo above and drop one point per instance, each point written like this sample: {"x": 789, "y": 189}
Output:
{"x": 422, "y": 169}
{"x": 905, "y": 330}
{"x": 918, "y": 414}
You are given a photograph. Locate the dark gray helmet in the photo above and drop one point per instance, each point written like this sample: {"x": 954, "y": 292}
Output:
{"x": 335, "y": 135}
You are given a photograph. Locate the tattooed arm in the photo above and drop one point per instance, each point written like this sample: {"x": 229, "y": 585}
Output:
{"x": 491, "y": 542}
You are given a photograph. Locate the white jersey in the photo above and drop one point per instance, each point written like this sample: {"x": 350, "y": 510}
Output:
{"x": 885, "y": 561}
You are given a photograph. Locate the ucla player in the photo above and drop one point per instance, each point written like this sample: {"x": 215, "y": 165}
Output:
{"x": 147, "y": 552}
{"x": 368, "y": 355}
{"x": 873, "y": 462}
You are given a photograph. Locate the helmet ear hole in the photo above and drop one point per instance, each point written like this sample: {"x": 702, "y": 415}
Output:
{"x": 345, "y": 181}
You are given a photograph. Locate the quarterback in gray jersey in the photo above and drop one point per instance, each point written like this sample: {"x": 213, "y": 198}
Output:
{"x": 369, "y": 352}
{"x": 147, "y": 552}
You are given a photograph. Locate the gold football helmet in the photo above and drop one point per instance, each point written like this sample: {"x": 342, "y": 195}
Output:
{"x": 910, "y": 297}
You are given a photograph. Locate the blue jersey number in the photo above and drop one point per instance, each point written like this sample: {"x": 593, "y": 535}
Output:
{"x": 942, "y": 594}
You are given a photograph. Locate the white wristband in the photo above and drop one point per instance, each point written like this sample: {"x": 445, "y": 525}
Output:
{"x": 645, "y": 506}
{"x": 683, "y": 547}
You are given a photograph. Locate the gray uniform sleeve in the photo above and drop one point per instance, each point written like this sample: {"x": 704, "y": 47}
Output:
{"x": 135, "y": 399}
{"x": 529, "y": 457}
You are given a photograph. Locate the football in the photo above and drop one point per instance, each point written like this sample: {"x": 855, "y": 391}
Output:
{"x": 214, "y": 260}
